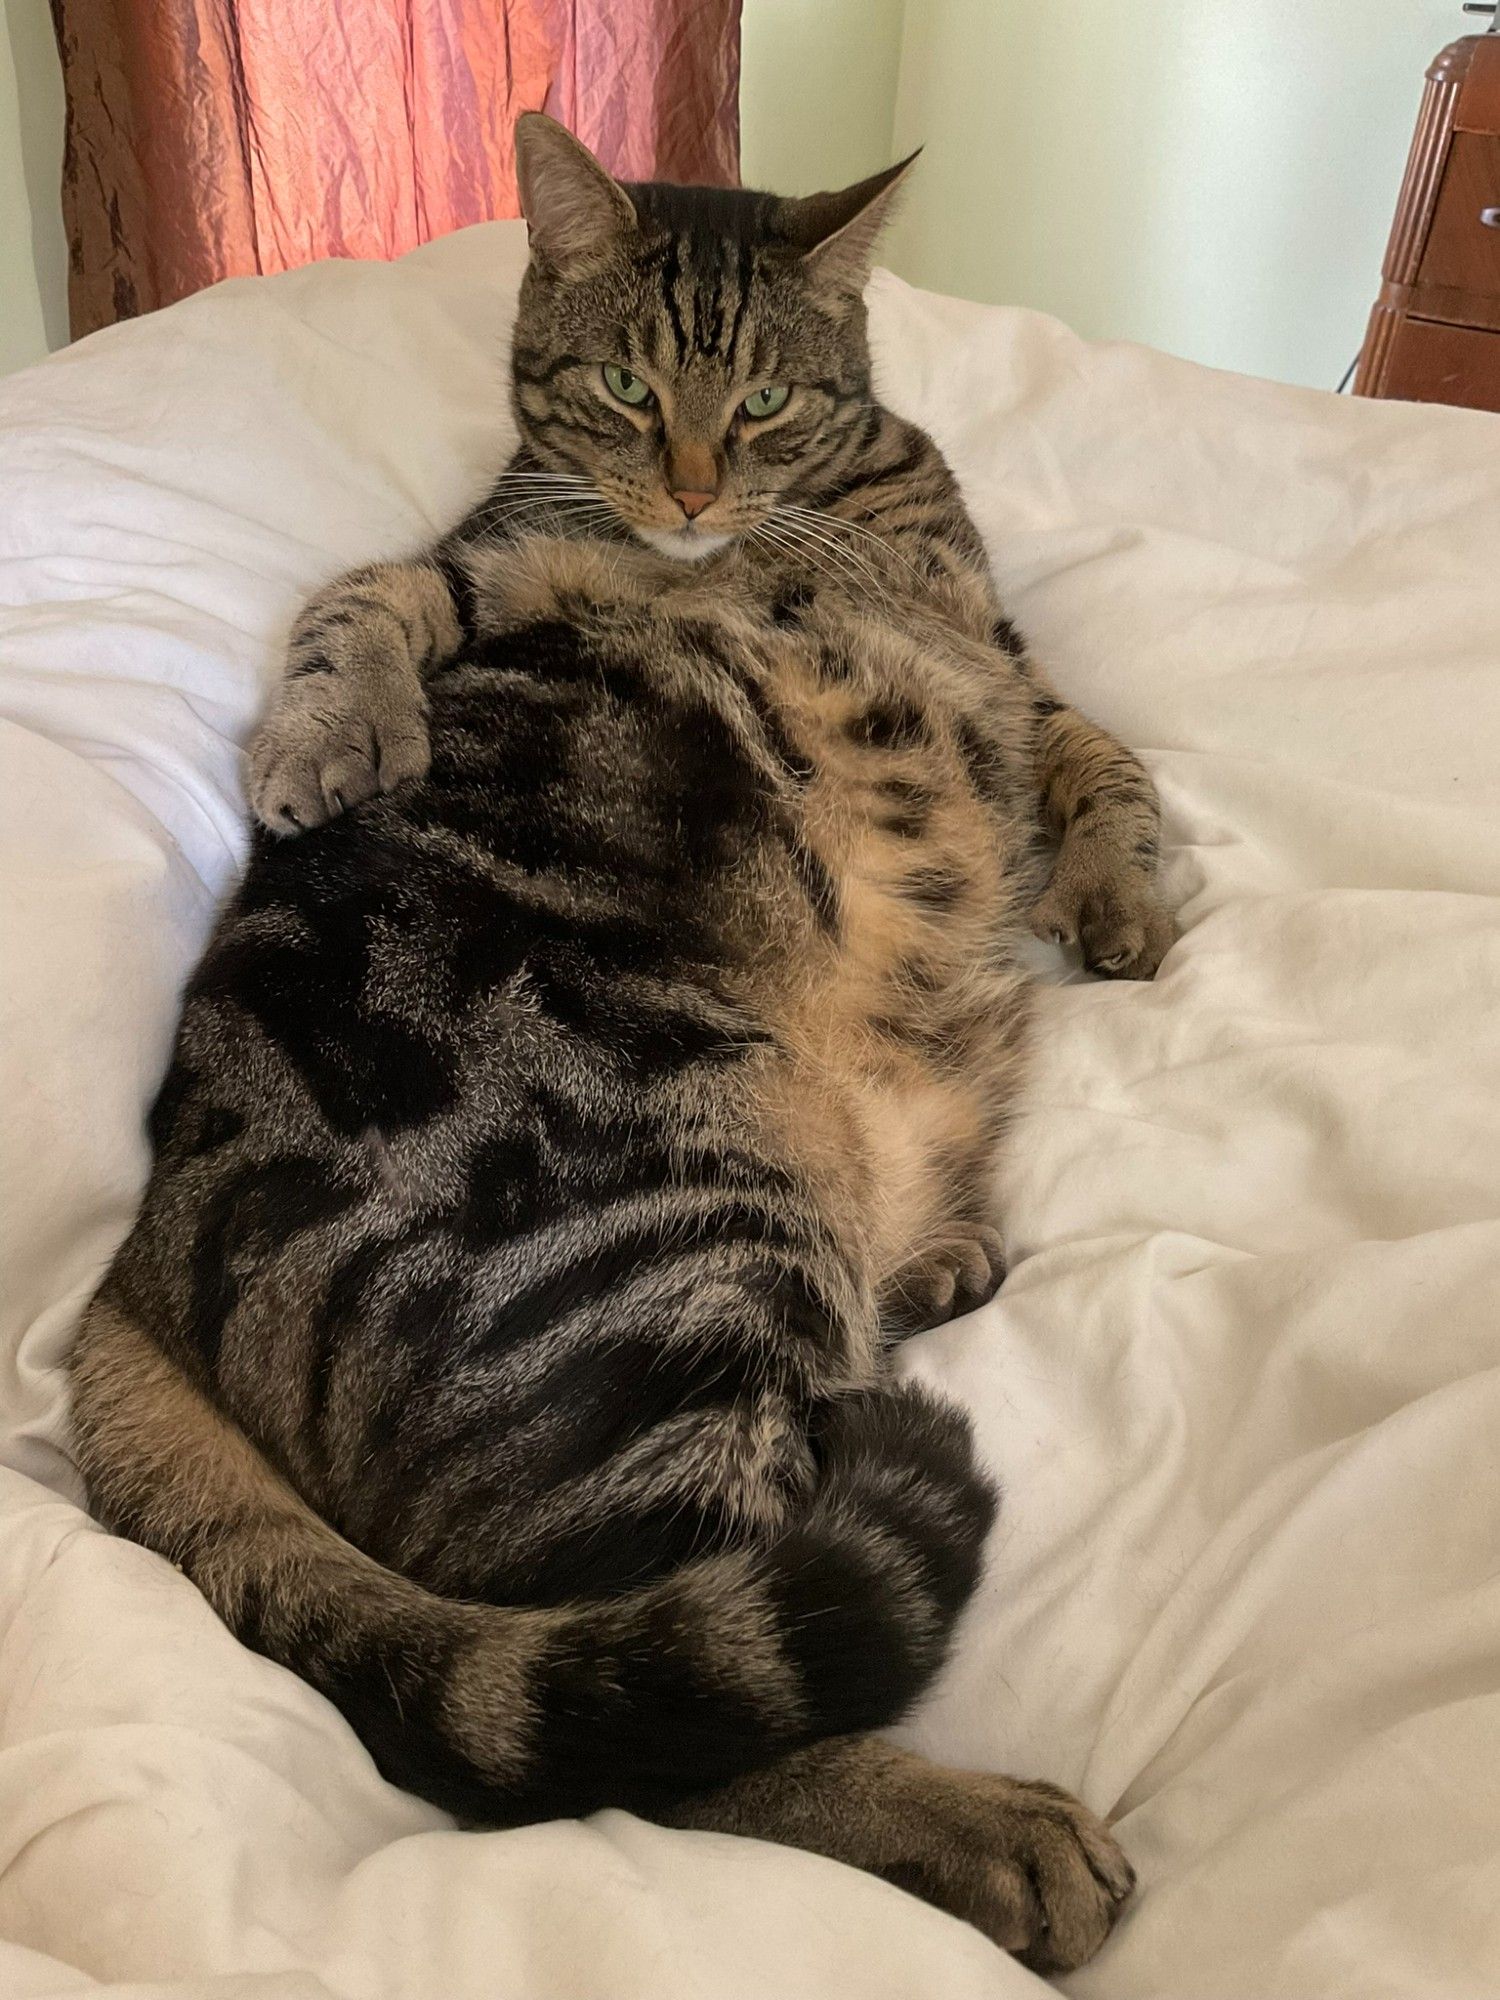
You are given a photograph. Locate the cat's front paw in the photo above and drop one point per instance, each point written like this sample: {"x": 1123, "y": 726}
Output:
{"x": 1117, "y": 920}
{"x": 325, "y": 749}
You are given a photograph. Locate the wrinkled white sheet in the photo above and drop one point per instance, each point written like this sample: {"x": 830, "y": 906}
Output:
{"x": 1241, "y": 1383}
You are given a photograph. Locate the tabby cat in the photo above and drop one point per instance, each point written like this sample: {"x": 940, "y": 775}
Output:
{"x": 556, "y": 1142}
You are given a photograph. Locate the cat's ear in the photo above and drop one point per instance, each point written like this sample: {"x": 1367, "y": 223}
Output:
{"x": 575, "y": 213}
{"x": 837, "y": 232}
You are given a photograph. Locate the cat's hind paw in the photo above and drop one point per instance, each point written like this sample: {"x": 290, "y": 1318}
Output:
{"x": 1118, "y": 922}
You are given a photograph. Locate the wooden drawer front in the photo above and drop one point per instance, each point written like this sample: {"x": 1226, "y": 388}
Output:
{"x": 1442, "y": 364}
{"x": 1461, "y": 258}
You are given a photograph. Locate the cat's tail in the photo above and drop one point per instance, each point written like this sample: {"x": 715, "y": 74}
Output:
{"x": 505, "y": 1715}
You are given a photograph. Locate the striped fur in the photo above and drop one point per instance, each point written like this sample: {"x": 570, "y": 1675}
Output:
{"x": 554, "y": 1145}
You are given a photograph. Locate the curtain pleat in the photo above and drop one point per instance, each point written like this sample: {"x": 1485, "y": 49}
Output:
{"x": 209, "y": 139}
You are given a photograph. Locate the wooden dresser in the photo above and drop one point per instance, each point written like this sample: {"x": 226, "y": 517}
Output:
{"x": 1434, "y": 336}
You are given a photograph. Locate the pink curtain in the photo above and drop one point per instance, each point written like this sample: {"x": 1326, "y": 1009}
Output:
{"x": 207, "y": 139}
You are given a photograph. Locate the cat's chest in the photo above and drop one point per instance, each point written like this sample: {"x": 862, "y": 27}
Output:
{"x": 696, "y": 698}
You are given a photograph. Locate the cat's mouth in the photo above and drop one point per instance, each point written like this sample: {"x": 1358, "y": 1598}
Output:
{"x": 689, "y": 543}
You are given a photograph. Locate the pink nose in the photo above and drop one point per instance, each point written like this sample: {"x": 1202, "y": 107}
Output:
{"x": 693, "y": 504}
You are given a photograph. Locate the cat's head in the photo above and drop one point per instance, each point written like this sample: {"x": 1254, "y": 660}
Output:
{"x": 695, "y": 357}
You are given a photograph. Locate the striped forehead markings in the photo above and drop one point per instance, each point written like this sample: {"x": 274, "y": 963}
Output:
{"x": 742, "y": 298}
{"x": 671, "y": 272}
{"x": 696, "y": 301}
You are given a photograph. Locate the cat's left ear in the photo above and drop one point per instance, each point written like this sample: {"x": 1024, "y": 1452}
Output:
{"x": 838, "y": 231}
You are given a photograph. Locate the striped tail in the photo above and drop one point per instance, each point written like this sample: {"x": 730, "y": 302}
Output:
{"x": 504, "y": 1715}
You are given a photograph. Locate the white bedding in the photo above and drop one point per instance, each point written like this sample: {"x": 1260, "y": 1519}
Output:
{"x": 1242, "y": 1383}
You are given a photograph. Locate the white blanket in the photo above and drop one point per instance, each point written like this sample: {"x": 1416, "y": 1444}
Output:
{"x": 1241, "y": 1384}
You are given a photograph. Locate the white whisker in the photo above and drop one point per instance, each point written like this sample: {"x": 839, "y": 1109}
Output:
{"x": 885, "y": 544}
{"x": 541, "y": 508}
{"x": 806, "y": 553}
{"x": 839, "y": 561}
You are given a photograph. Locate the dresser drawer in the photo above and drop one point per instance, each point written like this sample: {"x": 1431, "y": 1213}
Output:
{"x": 1442, "y": 364}
{"x": 1434, "y": 334}
{"x": 1459, "y": 275}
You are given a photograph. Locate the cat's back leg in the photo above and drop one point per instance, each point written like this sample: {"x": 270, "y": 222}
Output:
{"x": 1026, "y": 1863}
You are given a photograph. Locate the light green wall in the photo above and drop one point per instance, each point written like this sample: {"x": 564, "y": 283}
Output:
{"x": 817, "y": 90}
{"x": 33, "y": 252}
{"x": 1215, "y": 177}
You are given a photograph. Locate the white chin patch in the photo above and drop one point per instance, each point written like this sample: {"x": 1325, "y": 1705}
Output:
{"x": 684, "y": 544}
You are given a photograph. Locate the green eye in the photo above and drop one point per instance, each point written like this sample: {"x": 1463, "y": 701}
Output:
{"x": 627, "y": 387}
{"x": 766, "y": 402}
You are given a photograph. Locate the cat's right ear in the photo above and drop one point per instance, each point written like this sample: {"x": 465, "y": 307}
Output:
{"x": 577, "y": 216}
